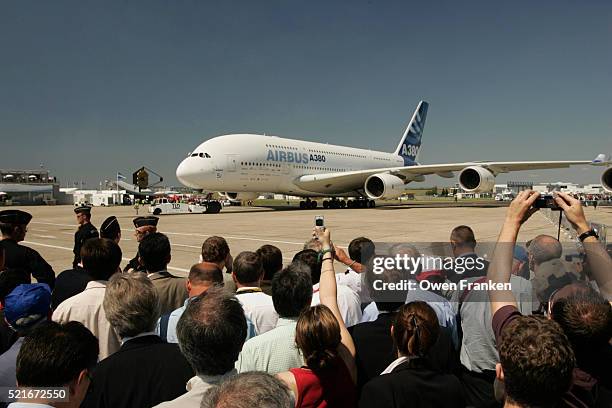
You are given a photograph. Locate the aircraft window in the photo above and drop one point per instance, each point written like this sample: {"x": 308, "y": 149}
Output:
{"x": 207, "y": 155}
{"x": 201, "y": 154}
{"x": 194, "y": 154}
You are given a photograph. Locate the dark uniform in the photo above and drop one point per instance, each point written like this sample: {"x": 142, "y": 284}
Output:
{"x": 21, "y": 257}
{"x": 85, "y": 232}
{"x": 134, "y": 264}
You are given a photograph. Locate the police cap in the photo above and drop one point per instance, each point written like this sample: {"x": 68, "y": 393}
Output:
{"x": 17, "y": 217}
{"x": 110, "y": 228}
{"x": 150, "y": 220}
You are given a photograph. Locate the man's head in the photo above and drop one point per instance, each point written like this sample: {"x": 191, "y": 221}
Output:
{"x": 543, "y": 248}
{"x": 58, "y": 355}
{"x": 211, "y": 332}
{"x": 100, "y": 257}
{"x": 585, "y": 317}
{"x": 361, "y": 250}
{"x": 292, "y": 290}
{"x": 131, "y": 304}
{"x": 310, "y": 258}
{"x": 27, "y": 306}
{"x": 145, "y": 226}
{"x": 247, "y": 390}
{"x": 111, "y": 229}
{"x": 247, "y": 269}
{"x": 462, "y": 240}
{"x": 314, "y": 244}
{"x": 215, "y": 250}
{"x": 14, "y": 224}
{"x": 83, "y": 214}
{"x": 203, "y": 276}
{"x": 536, "y": 362}
{"x": 154, "y": 252}
{"x": 271, "y": 260}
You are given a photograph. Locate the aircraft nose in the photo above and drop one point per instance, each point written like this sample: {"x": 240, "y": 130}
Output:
{"x": 186, "y": 173}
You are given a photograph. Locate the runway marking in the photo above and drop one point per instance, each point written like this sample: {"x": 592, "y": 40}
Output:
{"x": 44, "y": 236}
{"x": 70, "y": 249}
{"x": 242, "y": 238}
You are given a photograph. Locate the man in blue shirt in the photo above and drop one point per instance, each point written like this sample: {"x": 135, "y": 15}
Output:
{"x": 202, "y": 276}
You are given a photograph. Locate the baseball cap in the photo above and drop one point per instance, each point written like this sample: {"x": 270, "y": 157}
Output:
{"x": 27, "y": 304}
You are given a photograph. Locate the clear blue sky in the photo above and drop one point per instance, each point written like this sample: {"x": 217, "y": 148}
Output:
{"x": 91, "y": 88}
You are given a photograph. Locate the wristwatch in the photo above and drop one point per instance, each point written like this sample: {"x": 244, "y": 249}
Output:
{"x": 589, "y": 233}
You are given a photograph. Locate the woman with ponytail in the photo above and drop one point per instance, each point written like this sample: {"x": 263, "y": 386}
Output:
{"x": 328, "y": 379}
{"x": 411, "y": 381}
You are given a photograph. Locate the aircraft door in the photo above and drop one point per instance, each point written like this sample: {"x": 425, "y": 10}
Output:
{"x": 232, "y": 162}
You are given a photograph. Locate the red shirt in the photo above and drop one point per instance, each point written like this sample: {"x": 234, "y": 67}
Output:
{"x": 332, "y": 387}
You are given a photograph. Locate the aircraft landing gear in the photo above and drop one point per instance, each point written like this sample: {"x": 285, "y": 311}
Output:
{"x": 308, "y": 204}
{"x": 334, "y": 203}
{"x": 361, "y": 203}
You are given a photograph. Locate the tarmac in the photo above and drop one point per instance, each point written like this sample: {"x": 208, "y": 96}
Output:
{"x": 51, "y": 232}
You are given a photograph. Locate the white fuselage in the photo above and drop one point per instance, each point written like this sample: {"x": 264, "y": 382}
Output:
{"x": 257, "y": 163}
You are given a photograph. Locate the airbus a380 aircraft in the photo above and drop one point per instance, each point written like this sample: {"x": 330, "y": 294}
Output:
{"x": 245, "y": 165}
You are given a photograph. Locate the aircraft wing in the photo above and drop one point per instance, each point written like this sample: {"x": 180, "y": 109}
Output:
{"x": 339, "y": 182}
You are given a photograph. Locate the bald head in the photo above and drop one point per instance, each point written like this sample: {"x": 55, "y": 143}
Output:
{"x": 462, "y": 240}
{"x": 202, "y": 276}
{"x": 544, "y": 248}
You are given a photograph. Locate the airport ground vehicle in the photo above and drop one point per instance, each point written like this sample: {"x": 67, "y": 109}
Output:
{"x": 165, "y": 206}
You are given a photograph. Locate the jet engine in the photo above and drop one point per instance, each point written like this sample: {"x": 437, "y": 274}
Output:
{"x": 245, "y": 196}
{"x": 476, "y": 179}
{"x": 384, "y": 185}
{"x": 606, "y": 180}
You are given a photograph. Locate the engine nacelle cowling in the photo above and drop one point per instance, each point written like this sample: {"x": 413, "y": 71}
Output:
{"x": 476, "y": 179}
{"x": 245, "y": 196}
{"x": 384, "y": 186}
{"x": 606, "y": 180}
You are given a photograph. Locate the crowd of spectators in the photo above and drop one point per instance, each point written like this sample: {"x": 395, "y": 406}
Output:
{"x": 251, "y": 331}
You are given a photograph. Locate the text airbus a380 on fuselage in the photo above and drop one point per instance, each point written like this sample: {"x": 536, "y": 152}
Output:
{"x": 243, "y": 166}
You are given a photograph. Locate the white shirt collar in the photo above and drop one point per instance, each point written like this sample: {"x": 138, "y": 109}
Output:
{"x": 128, "y": 338}
{"x": 394, "y": 364}
{"x": 201, "y": 379}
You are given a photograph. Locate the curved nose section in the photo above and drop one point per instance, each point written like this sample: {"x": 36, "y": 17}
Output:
{"x": 187, "y": 173}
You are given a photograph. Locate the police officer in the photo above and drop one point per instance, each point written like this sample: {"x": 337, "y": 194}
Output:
{"x": 144, "y": 226}
{"x": 111, "y": 229}
{"x": 13, "y": 225}
{"x": 86, "y": 231}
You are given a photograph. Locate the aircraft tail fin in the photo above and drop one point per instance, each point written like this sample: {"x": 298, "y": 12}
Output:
{"x": 410, "y": 144}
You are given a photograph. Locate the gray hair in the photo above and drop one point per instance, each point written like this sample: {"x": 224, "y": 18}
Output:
{"x": 247, "y": 390}
{"x": 211, "y": 332}
{"x": 314, "y": 244}
{"x": 131, "y": 304}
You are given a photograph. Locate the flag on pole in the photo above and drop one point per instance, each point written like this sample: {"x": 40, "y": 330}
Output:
{"x": 120, "y": 176}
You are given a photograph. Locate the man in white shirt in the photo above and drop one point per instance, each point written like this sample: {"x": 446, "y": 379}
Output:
{"x": 211, "y": 334}
{"x": 101, "y": 258}
{"x": 247, "y": 273}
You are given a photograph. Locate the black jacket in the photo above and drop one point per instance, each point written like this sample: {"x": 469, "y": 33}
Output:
{"x": 29, "y": 261}
{"x": 85, "y": 232}
{"x": 413, "y": 384}
{"x": 143, "y": 373}
{"x": 68, "y": 284}
{"x": 375, "y": 349}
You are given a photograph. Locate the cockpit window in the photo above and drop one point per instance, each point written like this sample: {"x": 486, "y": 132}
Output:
{"x": 201, "y": 154}
{"x": 194, "y": 154}
{"x": 207, "y": 155}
